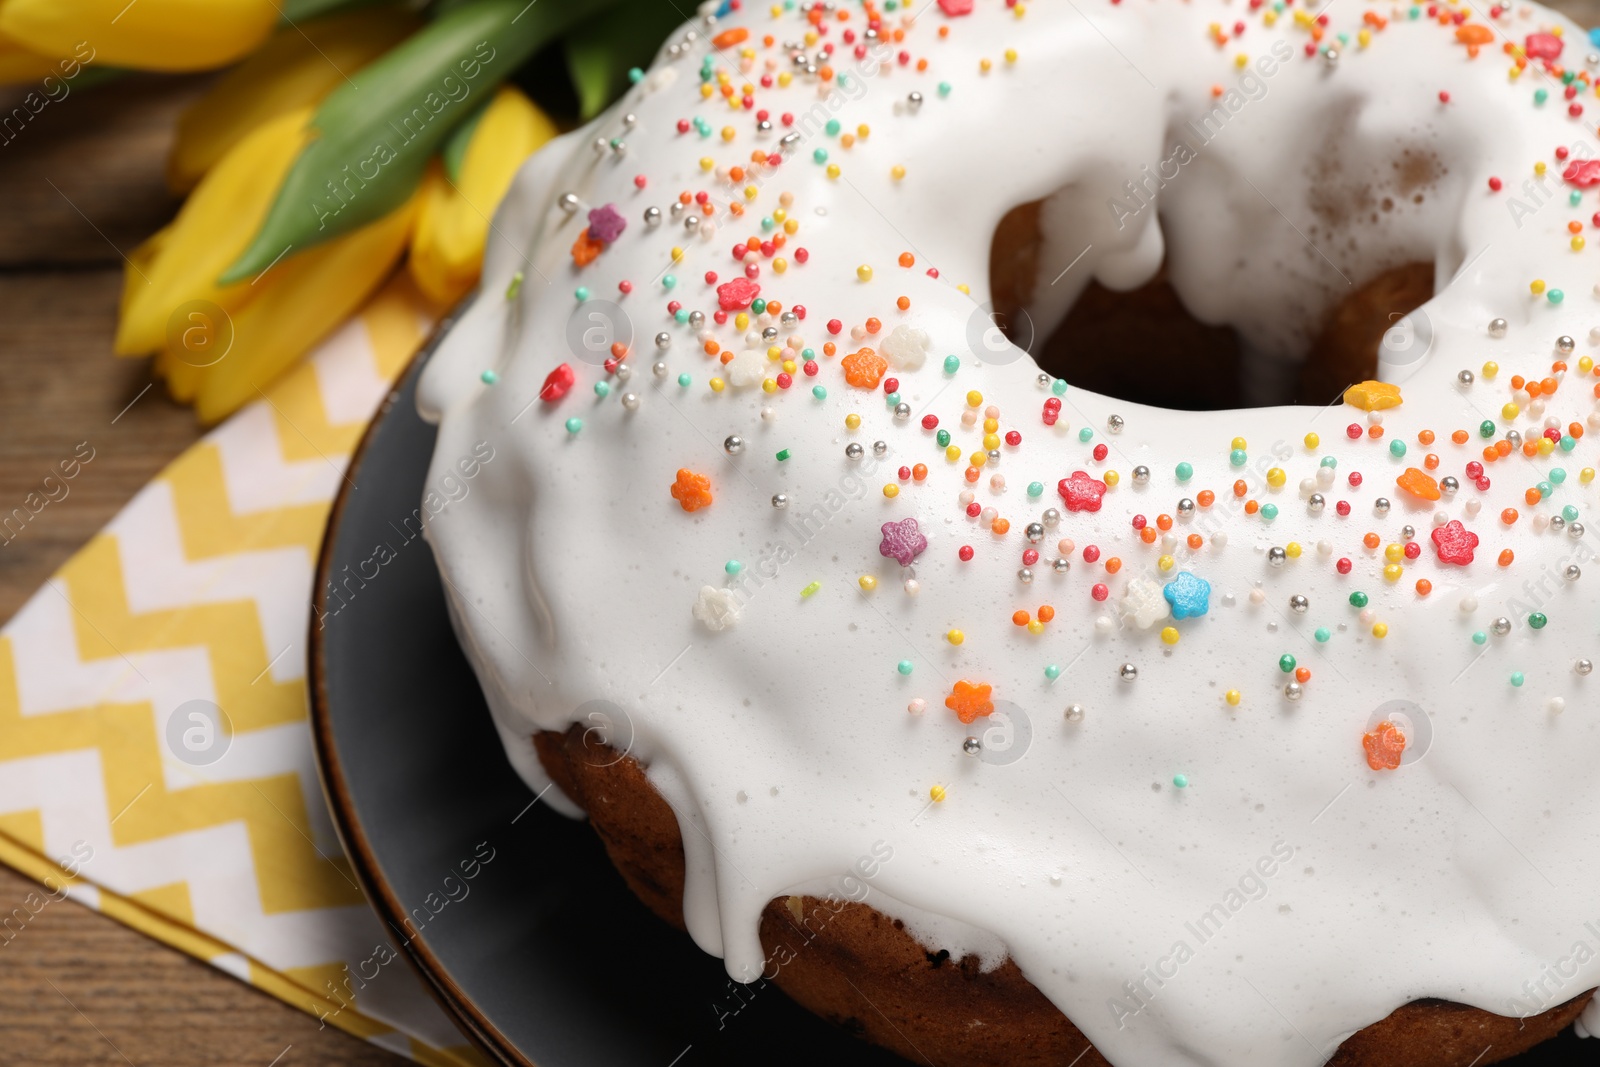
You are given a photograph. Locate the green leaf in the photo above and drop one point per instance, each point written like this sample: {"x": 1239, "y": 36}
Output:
{"x": 291, "y": 12}
{"x": 374, "y": 135}
{"x": 455, "y": 146}
{"x": 602, "y": 51}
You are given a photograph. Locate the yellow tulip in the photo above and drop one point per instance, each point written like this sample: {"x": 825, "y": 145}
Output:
{"x": 453, "y": 222}
{"x": 297, "y": 68}
{"x": 18, "y": 64}
{"x": 144, "y": 34}
{"x": 304, "y": 299}
{"x": 213, "y": 227}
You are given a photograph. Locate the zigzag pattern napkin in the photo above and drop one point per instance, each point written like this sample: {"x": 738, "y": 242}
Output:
{"x": 194, "y": 599}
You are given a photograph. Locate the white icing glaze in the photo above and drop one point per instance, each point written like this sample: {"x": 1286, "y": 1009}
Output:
{"x": 1289, "y": 895}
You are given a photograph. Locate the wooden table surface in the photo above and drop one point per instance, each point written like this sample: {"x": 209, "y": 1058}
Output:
{"x": 80, "y": 186}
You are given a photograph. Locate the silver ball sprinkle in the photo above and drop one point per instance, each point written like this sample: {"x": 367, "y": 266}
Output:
{"x": 629, "y": 121}
{"x": 1381, "y": 505}
{"x": 1074, "y": 713}
{"x": 972, "y": 746}
{"x": 663, "y": 339}
{"x": 733, "y": 444}
{"x": 659, "y": 368}
{"x": 769, "y": 334}
{"x": 1565, "y": 345}
{"x": 1293, "y": 691}
{"x": 1141, "y": 474}
{"x": 1035, "y": 532}
{"x": 697, "y": 319}
{"x": 1575, "y": 531}
{"x": 568, "y": 202}
{"x": 780, "y": 500}
{"x": 789, "y": 319}
{"x": 902, "y": 411}
{"x": 1025, "y": 575}
{"x": 1557, "y": 523}
{"x": 764, "y": 126}
{"x": 1127, "y": 672}
{"x": 1051, "y": 518}
{"x": 691, "y": 223}
{"x": 652, "y": 215}
{"x": 880, "y": 447}
{"x": 994, "y": 455}
{"x": 1466, "y": 377}
{"x": 1501, "y": 626}
{"x": 1114, "y": 423}
{"x": 678, "y": 208}
{"x": 630, "y": 401}
{"x": 1185, "y": 508}
{"x": 1330, "y": 58}
{"x": 1277, "y": 556}
{"x": 1497, "y": 327}
{"x": 1583, "y": 666}
{"x": 1408, "y": 532}
{"x": 1514, "y": 438}
{"x": 1572, "y": 573}
{"x": 853, "y": 450}
{"x": 1043, "y": 380}
{"x": 1299, "y": 604}
{"x": 623, "y": 372}
{"x": 914, "y": 100}
{"x": 1449, "y": 484}
{"x": 1316, "y": 502}
{"x": 1061, "y": 564}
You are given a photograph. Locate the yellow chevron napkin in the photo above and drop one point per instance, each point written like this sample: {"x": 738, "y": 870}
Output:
{"x": 192, "y": 605}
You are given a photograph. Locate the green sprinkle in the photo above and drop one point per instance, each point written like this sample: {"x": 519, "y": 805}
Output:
{"x": 1052, "y": 672}
{"x": 1330, "y": 461}
{"x": 681, "y": 316}
{"x": 489, "y": 377}
{"x": 1323, "y": 634}
{"x": 1035, "y": 489}
{"x": 1486, "y": 428}
{"x": 581, "y": 292}
{"x": 810, "y": 588}
{"x": 944, "y": 88}
{"x": 819, "y": 392}
{"x": 1059, "y": 387}
{"x": 733, "y": 566}
{"x": 1358, "y": 599}
{"x": 905, "y": 666}
{"x": 669, "y": 281}
{"x": 1555, "y": 296}
{"x": 943, "y": 437}
{"x": 1558, "y": 475}
{"x": 1269, "y": 511}
{"x": 832, "y": 128}
{"x": 1541, "y": 95}
{"x": 783, "y": 455}
{"x": 891, "y": 399}
{"x": 1181, "y": 781}
{"x": 1545, "y": 489}
{"x": 1286, "y": 663}
{"x": 1185, "y": 471}
{"x": 952, "y": 364}
{"x": 684, "y": 379}
{"x": 602, "y": 388}
{"x": 574, "y": 424}
{"x": 1517, "y": 678}
{"x": 635, "y": 75}
{"x": 515, "y": 287}
{"x": 1085, "y": 434}
{"x": 820, "y": 155}
{"x": 1574, "y": 198}
{"x": 758, "y": 305}
{"x": 1397, "y": 448}
{"x": 1568, "y": 442}
{"x": 1569, "y": 513}
{"x": 1538, "y": 620}
{"x": 1238, "y": 457}
{"x": 1479, "y": 637}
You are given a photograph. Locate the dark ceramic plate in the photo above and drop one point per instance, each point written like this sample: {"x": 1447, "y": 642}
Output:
{"x": 549, "y": 960}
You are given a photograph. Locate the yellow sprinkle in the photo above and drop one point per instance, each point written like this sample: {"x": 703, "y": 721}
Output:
{"x": 1292, "y": 550}
{"x": 1380, "y": 629}
{"x": 1241, "y": 61}
{"x": 1537, "y": 285}
{"x": 990, "y": 426}
{"x": 1509, "y": 410}
{"x": 780, "y": 265}
{"x": 1577, "y": 243}
{"x": 1276, "y": 477}
{"x": 1364, "y": 38}
{"x": 897, "y": 172}
{"x": 728, "y": 133}
{"x": 952, "y": 452}
{"x": 1021, "y": 10}
{"x": 1373, "y": 396}
{"x": 1539, "y": 167}
{"x": 1239, "y": 443}
{"x": 769, "y": 385}
{"x": 718, "y": 385}
{"x": 705, "y": 89}
{"x": 741, "y": 320}
{"x": 937, "y": 793}
{"x": 1586, "y": 475}
{"x": 867, "y": 583}
{"x": 751, "y": 191}
{"x": 1269, "y": 18}
{"x": 974, "y": 399}
{"x": 1169, "y": 635}
{"x": 785, "y": 78}
{"x": 1011, "y": 55}
{"x": 852, "y": 421}
{"x": 978, "y": 459}
{"x": 1490, "y": 369}
{"x": 1233, "y": 696}
{"x": 707, "y": 163}
{"x": 791, "y": 226}
{"x": 677, "y": 254}
{"x": 1393, "y": 572}
{"x": 1394, "y": 552}
{"x": 991, "y": 441}
{"x": 963, "y": 288}
{"x": 955, "y": 637}
{"x": 774, "y": 353}
{"x": 1166, "y": 563}
{"x": 1312, "y": 440}
{"x": 1545, "y": 446}
{"x": 1035, "y": 626}
{"x": 1111, "y": 478}
{"x": 1585, "y": 365}
{"x": 863, "y": 131}
{"x": 864, "y": 272}
{"x": 984, "y": 66}
{"x": 789, "y": 366}
{"x": 779, "y": 215}
{"x": 833, "y": 170}
{"x": 891, "y": 490}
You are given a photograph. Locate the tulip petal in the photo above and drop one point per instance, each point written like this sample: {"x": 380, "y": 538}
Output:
{"x": 146, "y": 35}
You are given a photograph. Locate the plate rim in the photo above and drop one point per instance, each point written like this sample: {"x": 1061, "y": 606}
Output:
{"x": 462, "y": 1011}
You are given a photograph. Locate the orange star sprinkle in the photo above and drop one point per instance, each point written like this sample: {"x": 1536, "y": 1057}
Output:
{"x": 1384, "y": 745}
{"x": 864, "y": 368}
{"x": 1418, "y": 484}
{"x": 586, "y": 249}
{"x": 691, "y": 490}
{"x": 969, "y": 701}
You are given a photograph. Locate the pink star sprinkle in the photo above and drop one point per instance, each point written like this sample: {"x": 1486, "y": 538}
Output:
{"x": 1455, "y": 542}
{"x": 902, "y": 541}
{"x": 1081, "y": 492}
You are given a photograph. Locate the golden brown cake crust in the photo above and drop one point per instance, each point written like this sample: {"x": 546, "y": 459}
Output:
{"x": 855, "y": 967}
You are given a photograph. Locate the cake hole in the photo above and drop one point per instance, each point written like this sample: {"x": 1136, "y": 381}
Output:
{"x": 1143, "y": 345}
